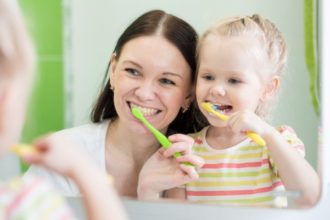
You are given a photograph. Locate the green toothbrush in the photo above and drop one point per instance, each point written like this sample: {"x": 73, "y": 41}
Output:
{"x": 163, "y": 140}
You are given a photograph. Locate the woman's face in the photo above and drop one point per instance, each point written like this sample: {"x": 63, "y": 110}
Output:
{"x": 152, "y": 74}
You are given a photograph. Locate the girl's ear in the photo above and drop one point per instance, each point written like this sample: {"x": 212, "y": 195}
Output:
{"x": 271, "y": 88}
{"x": 112, "y": 68}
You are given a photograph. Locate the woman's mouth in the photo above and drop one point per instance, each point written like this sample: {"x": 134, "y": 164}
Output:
{"x": 146, "y": 111}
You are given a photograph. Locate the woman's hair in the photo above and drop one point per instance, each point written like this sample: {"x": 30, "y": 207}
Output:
{"x": 176, "y": 31}
{"x": 16, "y": 50}
{"x": 272, "y": 44}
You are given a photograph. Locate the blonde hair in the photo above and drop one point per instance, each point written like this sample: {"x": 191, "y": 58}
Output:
{"x": 16, "y": 51}
{"x": 271, "y": 41}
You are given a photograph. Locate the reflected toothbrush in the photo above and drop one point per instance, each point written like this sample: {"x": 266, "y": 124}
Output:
{"x": 23, "y": 149}
{"x": 162, "y": 139}
{"x": 254, "y": 136}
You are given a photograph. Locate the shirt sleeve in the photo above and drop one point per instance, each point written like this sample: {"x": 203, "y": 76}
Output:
{"x": 291, "y": 137}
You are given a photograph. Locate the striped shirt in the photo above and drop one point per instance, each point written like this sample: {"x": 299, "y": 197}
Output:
{"x": 243, "y": 174}
{"x": 32, "y": 199}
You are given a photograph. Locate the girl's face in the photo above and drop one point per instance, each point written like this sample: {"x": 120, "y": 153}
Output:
{"x": 152, "y": 74}
{"x": 227, "y": 75}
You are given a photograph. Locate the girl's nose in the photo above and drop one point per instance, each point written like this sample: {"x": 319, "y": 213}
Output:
{"x": 218, "y": 90}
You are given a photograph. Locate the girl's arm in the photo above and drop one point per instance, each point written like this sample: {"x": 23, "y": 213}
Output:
{"x": 295, "y": 172}
{"x": 62, "y": 156}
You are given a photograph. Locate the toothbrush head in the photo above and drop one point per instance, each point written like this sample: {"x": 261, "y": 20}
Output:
{"x": 212, "y": 109}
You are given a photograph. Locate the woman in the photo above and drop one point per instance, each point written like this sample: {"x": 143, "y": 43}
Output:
{"x": 152, "y": 67}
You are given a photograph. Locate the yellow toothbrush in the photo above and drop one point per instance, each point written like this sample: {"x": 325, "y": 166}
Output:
{"x": 254, "y": 136}
{"x": 23, "y": 149}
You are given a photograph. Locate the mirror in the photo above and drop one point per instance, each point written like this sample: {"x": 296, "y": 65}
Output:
{"x": 91, "y": 29}
{"x": 95, "y": 28}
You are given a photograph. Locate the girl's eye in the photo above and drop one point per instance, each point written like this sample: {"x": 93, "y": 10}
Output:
{"x": 234, "y": 81}
{"x": 208, "y": 77}
{"x": 167, "y": 81}
{"x": 132, "y": 71}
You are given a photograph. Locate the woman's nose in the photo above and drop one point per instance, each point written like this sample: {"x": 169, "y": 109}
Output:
{"x": 145, "y": 91}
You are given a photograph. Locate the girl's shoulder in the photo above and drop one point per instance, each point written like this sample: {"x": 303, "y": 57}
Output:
{"x": 18, "y": 194}
{"x": 289, "y": 134}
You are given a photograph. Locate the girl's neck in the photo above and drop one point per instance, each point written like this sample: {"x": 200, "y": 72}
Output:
{"x": 222, "y": 138}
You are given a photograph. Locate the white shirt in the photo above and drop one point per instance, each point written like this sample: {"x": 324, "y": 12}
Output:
{"x": 91, "y": 138}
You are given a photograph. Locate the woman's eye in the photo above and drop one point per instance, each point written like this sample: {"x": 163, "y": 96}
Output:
{"x": 167, "y": 81}
{"x": 132, "y": 71}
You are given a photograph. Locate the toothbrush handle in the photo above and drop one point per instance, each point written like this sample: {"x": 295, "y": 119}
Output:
{"x": 256, "y": 138}
{"x": 178, "y": 154}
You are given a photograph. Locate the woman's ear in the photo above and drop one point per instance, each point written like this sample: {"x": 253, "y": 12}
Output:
{"x": 112, "y": 68}
{"x": 271, "y": 88}
{"x": 186, "y": 103}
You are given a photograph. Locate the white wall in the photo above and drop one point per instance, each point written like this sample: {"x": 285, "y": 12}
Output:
{"x": 96, "y": 25}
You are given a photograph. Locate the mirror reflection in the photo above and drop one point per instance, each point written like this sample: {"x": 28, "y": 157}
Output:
{"x": 91, "y": 39}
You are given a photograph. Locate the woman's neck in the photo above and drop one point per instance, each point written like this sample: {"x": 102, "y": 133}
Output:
{"x": 137, "y": 146}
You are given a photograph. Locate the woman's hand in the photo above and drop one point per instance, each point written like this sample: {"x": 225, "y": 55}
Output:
{"x": 163, "y": 171}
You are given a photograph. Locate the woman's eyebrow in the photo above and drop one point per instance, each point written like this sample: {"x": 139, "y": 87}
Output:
{"x": 133, "y": 63}
{"x": 173, "y": 74}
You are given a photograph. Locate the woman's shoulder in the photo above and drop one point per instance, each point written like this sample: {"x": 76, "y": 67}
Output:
{"x": 90, "y": 128}
{"x": 90, "y": 136}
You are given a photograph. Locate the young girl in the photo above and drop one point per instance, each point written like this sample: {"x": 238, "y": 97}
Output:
{"x": 33, "y": 198}
{"x": 241, "y": 61}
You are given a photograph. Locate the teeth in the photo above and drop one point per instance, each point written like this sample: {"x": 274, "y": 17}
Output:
{"x": 146, "y": 111}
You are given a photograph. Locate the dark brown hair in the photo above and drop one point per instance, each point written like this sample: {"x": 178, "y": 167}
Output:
{"x": 176, "y": 31}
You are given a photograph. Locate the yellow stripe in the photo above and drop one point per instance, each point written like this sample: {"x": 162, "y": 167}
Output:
{"x": 233, "y": 156}
{"x": 235, "y": 174}
{"x": 231, "y": 183}
{"x": 56, "y": 203}
{"x": 239, "y": 201}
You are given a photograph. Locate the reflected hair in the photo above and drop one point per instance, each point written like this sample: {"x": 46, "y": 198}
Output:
{"x": 17, "y": 54}
{"x": 177, "y": 32}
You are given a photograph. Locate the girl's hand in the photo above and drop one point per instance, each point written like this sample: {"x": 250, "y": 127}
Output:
{"x": 57, "y": 154}
{"x": 244, "y": 121}
{"x": 162, "y": 171}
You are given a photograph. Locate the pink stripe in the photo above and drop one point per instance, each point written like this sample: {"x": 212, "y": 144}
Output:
{"x": 24, "y": 193}
{"x": 236, "y": 165}
{"x": 234, "y": 192}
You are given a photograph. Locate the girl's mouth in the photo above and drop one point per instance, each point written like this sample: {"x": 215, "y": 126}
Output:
{"x": 224, "y": 109}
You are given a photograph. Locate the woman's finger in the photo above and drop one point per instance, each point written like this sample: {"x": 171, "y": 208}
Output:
{"x": 182, "y": 147}
{"x": 197, "y": 161}
{"x": 191, "y": 173}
